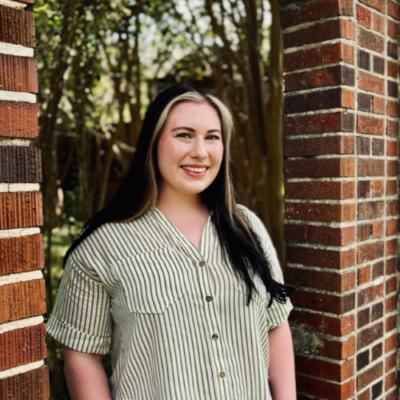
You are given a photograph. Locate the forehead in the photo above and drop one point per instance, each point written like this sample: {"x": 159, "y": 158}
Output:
{"x": 191, "y": 114}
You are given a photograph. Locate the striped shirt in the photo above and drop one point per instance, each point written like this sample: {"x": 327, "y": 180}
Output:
{"x": 175, "y": 316}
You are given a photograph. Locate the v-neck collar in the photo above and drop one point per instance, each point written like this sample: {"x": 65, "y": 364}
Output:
{"x": 184, "y": 241}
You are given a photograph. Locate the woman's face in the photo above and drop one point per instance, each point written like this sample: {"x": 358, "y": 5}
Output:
{"x": 191, "y": 138}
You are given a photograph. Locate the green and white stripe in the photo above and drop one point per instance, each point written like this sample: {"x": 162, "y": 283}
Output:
{"x": 139, "y": 287}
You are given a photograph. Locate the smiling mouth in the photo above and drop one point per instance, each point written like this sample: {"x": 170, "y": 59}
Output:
{"x": 193, "y": 169}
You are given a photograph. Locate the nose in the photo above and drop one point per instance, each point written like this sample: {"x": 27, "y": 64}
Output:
{"x": 199, "y": 148}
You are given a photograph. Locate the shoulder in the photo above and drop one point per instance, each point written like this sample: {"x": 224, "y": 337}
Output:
{"x": 246, "y": 212}
{"x": 94, "y": 245}
{"x": 94, "y": 254}
{"x": 254, "y": 220}
{"x": 107, "y": 242}
{"x": 259, "y": 228}
{"x": 110, "y": 243}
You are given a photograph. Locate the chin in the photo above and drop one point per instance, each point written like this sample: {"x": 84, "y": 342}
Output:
{"x": 192, "y": 189}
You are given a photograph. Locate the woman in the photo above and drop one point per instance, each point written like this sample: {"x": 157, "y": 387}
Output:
{"x": 182, "y": 281}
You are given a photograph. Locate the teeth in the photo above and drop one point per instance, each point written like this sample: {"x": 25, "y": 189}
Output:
{"x": 195, "y": 169}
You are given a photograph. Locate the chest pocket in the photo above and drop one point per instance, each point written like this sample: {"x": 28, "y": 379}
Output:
{"x": 153, "y": 281}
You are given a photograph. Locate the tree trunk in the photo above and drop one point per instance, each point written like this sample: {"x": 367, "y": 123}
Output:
{"x": 274, "y": 137}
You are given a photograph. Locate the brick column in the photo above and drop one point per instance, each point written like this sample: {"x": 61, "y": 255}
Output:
{"x": 341, "y": 128}
{"x": 23, "y": 374}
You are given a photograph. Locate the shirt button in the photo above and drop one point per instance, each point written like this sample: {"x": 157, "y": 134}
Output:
{"x": 201, "y": 263}
{"x": 215, "y": 336}
{"x": 208, "y": 298}
{"x": 222, "y": 374}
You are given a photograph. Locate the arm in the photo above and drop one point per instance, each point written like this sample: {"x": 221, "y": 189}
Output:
{"x": 282, "y": 378}
{"x": 81, "y": 321}
{"x": 85, "y": 375}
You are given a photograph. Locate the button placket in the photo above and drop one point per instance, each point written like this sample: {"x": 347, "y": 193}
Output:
{"x": 218, "y": 348}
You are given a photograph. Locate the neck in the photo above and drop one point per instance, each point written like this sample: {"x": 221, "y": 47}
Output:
{"x": 179, "y": 202}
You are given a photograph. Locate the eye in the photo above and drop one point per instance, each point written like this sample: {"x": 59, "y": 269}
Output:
{"x": 214, "y": 136}
{"x": 180, "y": 134}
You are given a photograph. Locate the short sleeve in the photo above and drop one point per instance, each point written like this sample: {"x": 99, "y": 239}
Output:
{"x": 81, "y": 316}
{"x": 278, "y": 313}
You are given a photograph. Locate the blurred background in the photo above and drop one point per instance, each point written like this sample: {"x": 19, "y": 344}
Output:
{"x": 101, "y": 62}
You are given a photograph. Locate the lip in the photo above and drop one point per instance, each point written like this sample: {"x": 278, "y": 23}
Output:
{"x": 195, "y": 165}
{"x": 192, "y": 173}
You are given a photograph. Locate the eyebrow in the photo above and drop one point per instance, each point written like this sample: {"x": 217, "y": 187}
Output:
{"x": 193, "y": 130}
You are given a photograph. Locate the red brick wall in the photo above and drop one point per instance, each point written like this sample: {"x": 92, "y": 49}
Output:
{"x": 341, "y": 126}
{"x": 23, "y": 374}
